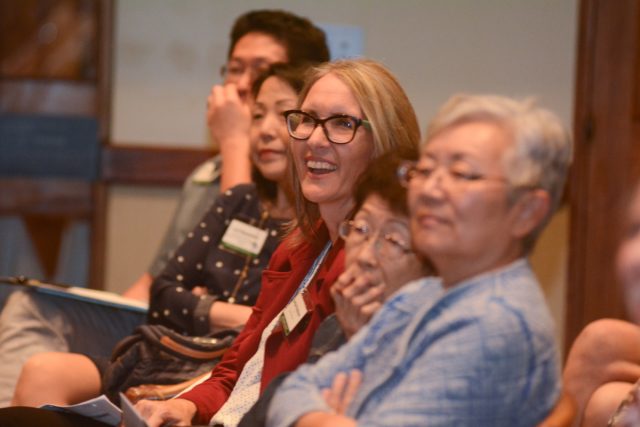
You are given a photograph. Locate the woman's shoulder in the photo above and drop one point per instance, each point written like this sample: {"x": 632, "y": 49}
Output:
{"x": 294, "y": 253}
{"x": 241, "y": 191}
{"x": 241, "y": 198}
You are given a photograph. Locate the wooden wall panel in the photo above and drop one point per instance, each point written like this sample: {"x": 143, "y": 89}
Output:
{"x": 150, "y": 165}
{"x": 606, "y": 157}
{"x": 55, "y": 59}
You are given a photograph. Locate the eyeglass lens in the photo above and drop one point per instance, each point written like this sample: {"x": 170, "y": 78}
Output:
{"x": 337, "y": 129}
{"x": 385, "y": 243}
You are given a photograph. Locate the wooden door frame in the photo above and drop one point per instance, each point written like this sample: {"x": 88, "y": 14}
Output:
{"x": 605, "y": 165}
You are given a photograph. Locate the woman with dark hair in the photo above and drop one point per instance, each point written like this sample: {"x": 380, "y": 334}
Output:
{"x": 213, "y": 278}
{"x": 336, "y": 131}
{"x": 338, "y": 128}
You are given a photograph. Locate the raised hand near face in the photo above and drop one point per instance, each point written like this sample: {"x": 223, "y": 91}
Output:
{"x": 229, "y": 121}
{"x": 357, "y": 295}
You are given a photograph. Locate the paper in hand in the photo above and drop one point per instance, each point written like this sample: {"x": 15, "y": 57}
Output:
{"x": 130, "y": 416}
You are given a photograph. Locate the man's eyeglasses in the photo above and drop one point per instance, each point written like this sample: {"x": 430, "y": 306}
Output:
{"x": 386, "y": 244}
{"x": 233, "y": 71}
{"x": 339, "y": 129}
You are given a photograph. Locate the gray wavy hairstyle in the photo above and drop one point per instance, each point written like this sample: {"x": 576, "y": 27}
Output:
{"x": 542, "y": 147}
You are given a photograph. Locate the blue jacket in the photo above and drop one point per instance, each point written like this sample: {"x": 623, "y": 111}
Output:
{"x": 479, "y": 354}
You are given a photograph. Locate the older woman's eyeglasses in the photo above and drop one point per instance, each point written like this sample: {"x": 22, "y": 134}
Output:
{"x": 386, "y": 244}
{"x": 409, "y": 171}
{"x": 339, "y": 128}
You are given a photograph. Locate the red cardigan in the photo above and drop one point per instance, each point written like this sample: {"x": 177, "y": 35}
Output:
{"x": 280, "y": 280}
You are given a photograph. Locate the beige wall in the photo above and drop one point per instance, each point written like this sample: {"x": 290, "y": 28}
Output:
{"x": 168, "y": 52}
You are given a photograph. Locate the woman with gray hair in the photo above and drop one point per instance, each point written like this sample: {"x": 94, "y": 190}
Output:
{"x": 476, "y": 345}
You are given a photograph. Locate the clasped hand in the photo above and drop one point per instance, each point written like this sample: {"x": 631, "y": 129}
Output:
{"x": 357, "y": 295}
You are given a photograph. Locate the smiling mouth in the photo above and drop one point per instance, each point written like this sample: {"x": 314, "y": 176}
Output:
{"x": 319, "y": 167}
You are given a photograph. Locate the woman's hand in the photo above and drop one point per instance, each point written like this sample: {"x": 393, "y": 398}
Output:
{"x": 199, "y": 291}
{"x": 173, "y": 411}
{"x": 228, "y": 115}
{"x": 224, "y": 315}
{"x": 229, "y": 121}
{"x": 342, "y": 391}
{"x": 338, "y": 398}
{"x": 357, "y": 296}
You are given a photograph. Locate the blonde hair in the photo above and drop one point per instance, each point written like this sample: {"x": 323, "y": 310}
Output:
{"x": 542, "y": 146}
{"x": 385, "y": 105}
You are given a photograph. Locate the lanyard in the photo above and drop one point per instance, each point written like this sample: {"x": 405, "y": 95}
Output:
{"x": 313, "y": 270}
{"x": 298, "y": 306}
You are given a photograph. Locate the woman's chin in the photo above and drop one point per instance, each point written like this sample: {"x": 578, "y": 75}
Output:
{"x": 313, "y": 197}
{"x": 273, "y": 175}
{"x": 273, "y": 171}
{"x": 314, "y": 193}
{"x": 429, "y": 248}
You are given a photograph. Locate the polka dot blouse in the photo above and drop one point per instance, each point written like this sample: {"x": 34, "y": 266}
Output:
{"x": 203, "y": 261}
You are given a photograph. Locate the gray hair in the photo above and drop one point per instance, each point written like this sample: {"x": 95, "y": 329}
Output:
{"x": 542, "y": 148}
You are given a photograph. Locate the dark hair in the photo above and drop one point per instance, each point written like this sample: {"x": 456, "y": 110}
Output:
{"x": 380, "y": 178}
{"x": 304, "y": 41}
{"x": 291, "y": 74}
{"x": 294, "y": 76}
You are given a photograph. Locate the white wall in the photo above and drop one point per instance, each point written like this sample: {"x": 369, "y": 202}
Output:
{"x": 168, "y": 53}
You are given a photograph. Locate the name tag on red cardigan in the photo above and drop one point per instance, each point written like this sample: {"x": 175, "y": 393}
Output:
{"x": 295, "y": 311}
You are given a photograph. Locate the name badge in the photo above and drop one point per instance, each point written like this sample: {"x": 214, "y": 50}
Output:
{"x": 295, "y": 311}
{"x": 244, "y": 238}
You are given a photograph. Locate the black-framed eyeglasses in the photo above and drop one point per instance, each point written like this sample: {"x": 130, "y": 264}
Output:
{"x": 339, "y": 128}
